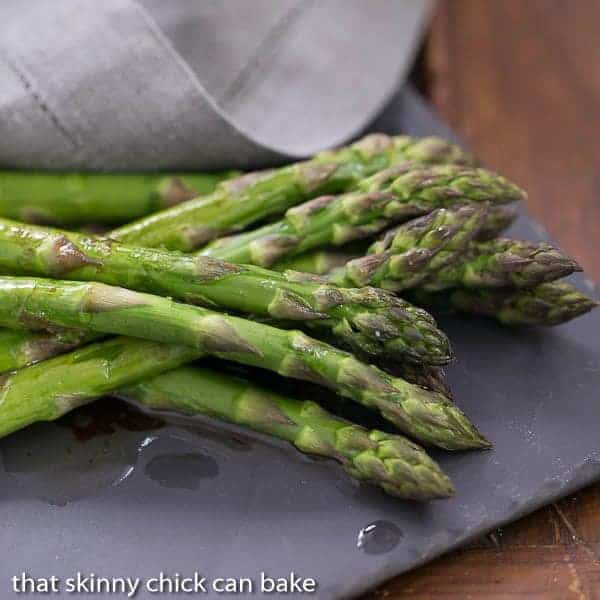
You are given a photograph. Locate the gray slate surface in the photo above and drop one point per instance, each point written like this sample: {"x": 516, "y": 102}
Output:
{"x": 190, "y": 502}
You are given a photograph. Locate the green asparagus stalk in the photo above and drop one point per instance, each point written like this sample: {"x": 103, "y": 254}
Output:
{"x": 366, "y": 318}
{"x": 317, "y": 262}
{"x": 392, "y": 462}
{"x": 412, "y": 253}
{"x": 407, "y": 191}
{"x": 22, "y": 348}
{"x": 71, "y": 199}
{"x": 503, "y": 263}
{"x": 437, "y": 251}
{"x": 403, "y": 237}
{"x": 48, "y": 390}
{"x": 323, "y": 261}
{"x": 42, "y": 303}
{"x": 237, "y": 203}
{"x": 544, "y": 305}
{"x": 416, "y": 250}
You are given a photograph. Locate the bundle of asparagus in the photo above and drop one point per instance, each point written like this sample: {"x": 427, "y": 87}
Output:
{"x": 62, "y": 292}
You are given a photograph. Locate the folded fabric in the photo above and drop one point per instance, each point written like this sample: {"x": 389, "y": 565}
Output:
{"x": 149, "y": 84}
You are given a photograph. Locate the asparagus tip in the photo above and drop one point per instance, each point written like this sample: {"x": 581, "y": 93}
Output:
{"x": 485, "y": 443}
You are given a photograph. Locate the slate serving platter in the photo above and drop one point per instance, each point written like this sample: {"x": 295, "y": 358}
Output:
{"x": 133, "y": 500}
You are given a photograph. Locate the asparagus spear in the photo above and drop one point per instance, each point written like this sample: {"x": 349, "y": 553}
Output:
{"x": 318, "y": 262}
{"x": 402, "y": 193}
{"x": 42, "y": 303}
{"x": 323, "y": 261}
{"x": 48, "y": 390}
{"x": 22, "y": 348}
{"x": 400, "y": 467}
{"x": 428, "y": 252}
{"x": 77, "y": 198}
{"x": 237, "y": 203}
{"x": 416, "y": 250}
{"x": 366, "y": 318}
{"x": 403, "y": 237}
{"x": 505, "y": 262}
{"x": 544, "y": 305}
{"x": 412, "y": 253}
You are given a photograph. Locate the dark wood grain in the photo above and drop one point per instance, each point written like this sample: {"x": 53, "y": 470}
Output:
{"x": 551, "y": 555}
{"x": 520, "y": 82}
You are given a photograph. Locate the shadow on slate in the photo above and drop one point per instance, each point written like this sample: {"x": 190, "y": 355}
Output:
{"x": 190, "y": 497}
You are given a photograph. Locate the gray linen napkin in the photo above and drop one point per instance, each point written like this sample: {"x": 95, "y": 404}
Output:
{"x": 184, "y": 84}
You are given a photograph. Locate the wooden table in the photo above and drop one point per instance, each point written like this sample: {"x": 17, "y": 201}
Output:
{"x": 520, "y": 82}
